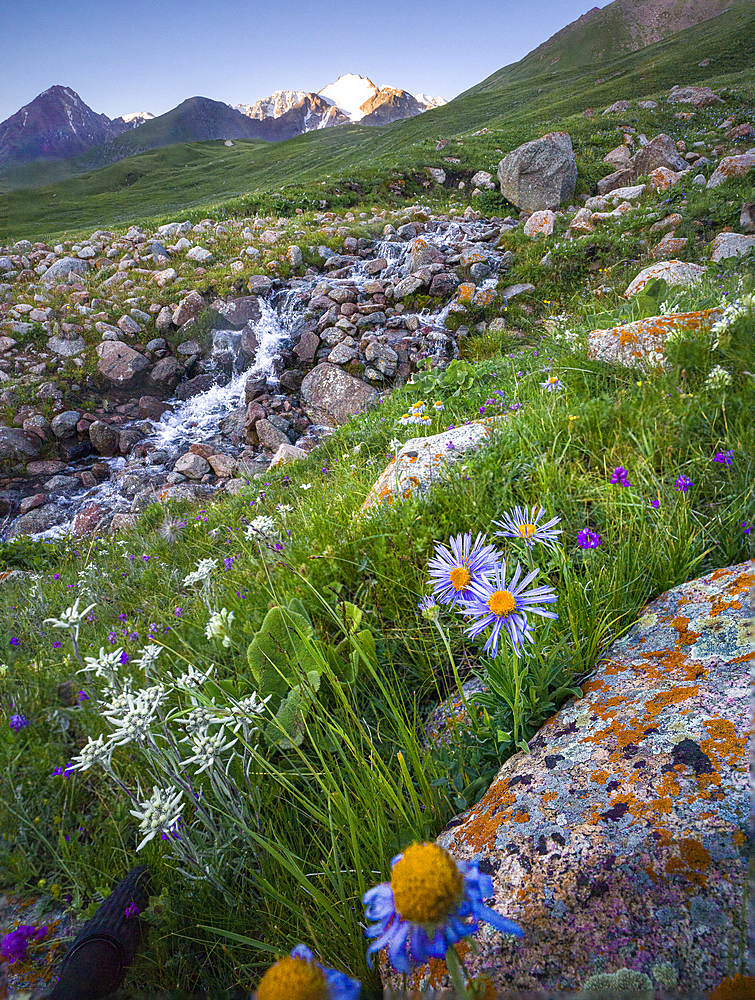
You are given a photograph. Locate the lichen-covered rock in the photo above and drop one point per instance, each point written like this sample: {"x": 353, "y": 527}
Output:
{"x": 698, "y": 97}
{"x": 118, "y": 362}
{"x": 643, "y": 342}
{"x": 673, "y": 272}
{"x": 661, "y": 151}
{"x": 730, "y": 245}
{"x": 331, "y": 396}
{"x": 539, "y": 174}
{"x": 622, "y": 836}
{"x": 730, "y": 167}
{"x": 540, "y": 223}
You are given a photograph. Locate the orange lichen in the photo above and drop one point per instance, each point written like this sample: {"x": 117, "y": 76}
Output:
{"x": 721, "y": 604}
{"x": 521, "y": 816}
{"x": 686, "y": 636}
{"x": 599, "y": 776}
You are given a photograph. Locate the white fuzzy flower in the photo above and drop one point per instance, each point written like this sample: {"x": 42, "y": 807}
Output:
{"x": 193, "y": 679}
{"x": 148, "y": 657}
{"x": 203, "y": 572}
{"x": 305, "y": 486}
{"x": 158, "y": 814}
{"x": 71, "y": 616}
{"x": 95, "y": 752}
{"x": 262, "y": 525}
{"x": 718, "y": 378}
{"x": 199, "y": 718}
{"x": 207, "y": 750}
{"x": 105, "y": 665}
{"x": 241, "y": 713}
{"x": 395, "y": 445}
{"x": 219, "y": 625}
{"x": 137, "y": 721}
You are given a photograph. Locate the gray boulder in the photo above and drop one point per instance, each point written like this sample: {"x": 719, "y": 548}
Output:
{"x": 59, "y": 271}
{"x": 167, "y": 372}
{"x": 119, "y": 363}
{"x": 331, "y": 396}
{"x": 18, "y": 445}
{"x": 659, "y": 152}
{"x": 540, "y": 174}
{"x": 270, "y": 436}
{"x": 189, "y": 307}
{"x": 38, "y": 520}
{"x": 66, "y": 348}
{"x": 239, "y": 312}
{"x": 64, "y": 425}
{"x": 192, "y": 466}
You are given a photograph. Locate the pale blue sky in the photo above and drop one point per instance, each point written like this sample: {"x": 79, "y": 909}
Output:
{"x": 149, "y": 55}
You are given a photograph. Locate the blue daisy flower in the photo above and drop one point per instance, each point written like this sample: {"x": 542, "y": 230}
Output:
{"x": 504, "y": 606}
{"x": 426, "y": 907}
{"x": 453, "y": 571}
{"x": 299, "y": 977}
{"x": 522, "y": 523}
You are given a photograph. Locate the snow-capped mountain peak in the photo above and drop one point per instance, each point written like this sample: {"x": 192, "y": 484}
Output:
{"x": 142, "y": 116}
{"x": 429, "y": 102}
{"x": 349, "y": 93}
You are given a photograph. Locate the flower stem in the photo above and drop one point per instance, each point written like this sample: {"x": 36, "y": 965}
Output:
{"x": 454, "y": 970}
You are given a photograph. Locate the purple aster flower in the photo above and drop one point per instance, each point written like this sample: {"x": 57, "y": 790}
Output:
{"x": 14, "y": 641}
{"x": 178, "y": 612}
{"x": 620, "y": 477}
{"x": 429, "y": 608}
{"x": 13, "y": 945}
{"x": 426, "y": 907}
{"x": 313, "y": 979}
{"x": 453, "y": 571}
{"x": 124, "y": 657}
{"x": 655, "y": 503}
{"x": 748, "y": 527}
{"x": 504, "y": 606}
{"x": 587, "y": 539}
{"x": 56, "y": 644}
{"x": 552, "y": 383}
{"x": 724, "y": 457}
{"x": 18, "y": 722}
{"x": 522, "y": 523}
{"x": 683, "y": 483}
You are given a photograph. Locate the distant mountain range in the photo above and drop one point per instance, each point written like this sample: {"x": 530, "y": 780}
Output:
{"x": 58, "y": 124}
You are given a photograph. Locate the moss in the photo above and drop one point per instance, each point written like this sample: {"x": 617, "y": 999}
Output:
{"x": 623, "y": 982}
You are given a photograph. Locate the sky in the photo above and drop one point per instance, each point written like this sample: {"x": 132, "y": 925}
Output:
{"x": 132, "y": 55}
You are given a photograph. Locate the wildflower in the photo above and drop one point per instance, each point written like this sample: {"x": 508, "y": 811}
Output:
{"x": 299, "y": 977}
{"x": 620, "y": 477}
{"x": 748, "y": 527}
{"x": 404, "y": 419}
{"x": 192, "y": 678}
{"x": 655, "y": 503}
{"x": 587, "y": 539}
{"x": 395, "y": 445}
{"x": 124, "y": 658}
{"x": 95, "y": 752}
{"x": 132, "y": 910}
{"x": 157, "y": 814}
{"x": 202, "y": 573}
{"x": 552, "y": 383}
{"x": 136, "y": 723}
{"x": 683, "y": 483}
{"x": 438, "y": 406}
{"x": 148, "y": 657}
{"x": 505, "y": 606}
{"x": 178, "y": 612}
{"x": 305, "y": 486}
{"x": 422, "y": 912}
{"x": 718, "y": 378}
{"x": 522, "y": 523}
{"x": 13, "y": 946}
{"x": 429, "y": 608}
{"x": 171, "y": 529}
{"x": 206, "y": 749}
{"x": 17, "y": 722}
{"x": 239, "y": 714}
{"x": 56, "y": 644}
{"x": 219, "y": 625}
{"x": 71, "y": 616}
{"x": 453, "y": 571}
{"x": 14, "y": 641}
{"x": 724, "y": 457}
{"x": 263, "y": 525}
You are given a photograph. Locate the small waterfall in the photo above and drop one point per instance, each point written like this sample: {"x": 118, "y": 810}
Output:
{"x": 270, "y": 334}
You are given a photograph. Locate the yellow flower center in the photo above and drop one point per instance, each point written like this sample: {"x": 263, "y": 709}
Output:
{"x": 526, "y": 530}
{"x": 459, "y": 577}
{"x": 502, "y": 602}
{"x": 294, "y": 979}
{"x": 553, "y": 379}
{"x": 427, "y": 884}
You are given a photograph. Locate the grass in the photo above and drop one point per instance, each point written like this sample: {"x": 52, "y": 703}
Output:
{"x": 319, "y": 818}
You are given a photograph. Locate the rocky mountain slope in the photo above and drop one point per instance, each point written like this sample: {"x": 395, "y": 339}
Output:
{"x": 56, "y": 124}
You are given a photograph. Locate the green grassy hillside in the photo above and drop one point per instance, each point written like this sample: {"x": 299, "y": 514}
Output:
{"x": 515, "y": 104}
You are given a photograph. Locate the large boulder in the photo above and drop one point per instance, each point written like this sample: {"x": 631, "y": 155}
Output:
{"x": 621, "y": 839}
{"x": 239, "y": 312}
{"x": 673, "y": 272}
{"x": 40, "y": 519}
{"x": 540, "y": 174}
{"x": 330, "y": 396}
{"x": 18, "y": 445}
{"x": 642, "y": 343}
{"x": 731, "y": 167}
{"x": 189, "y": 307}
{"x": 659, "y": 152}
{"x": 59, "y": 271}
{"x": 118, "y": 362}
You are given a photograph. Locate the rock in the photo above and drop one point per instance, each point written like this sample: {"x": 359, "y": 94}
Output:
{"x": 730, "y": 245}
{"x": 287, "y": 452}
{"x": 617, "y": 106}
{"x": 295, "y": 256}
{"x": 698, "y": 97}
{"x": 375, "y": 266}
{"x": 747, "y": 217}
{"x": 422, "y": 462}
{"x": 618, "y": 179}
{"x": 38, "y": 520}
{"x": 661, "y": 151}
{"x": 438, "y": 174}
{"x": 66, "y": 348}
{"x": 382, "y": 357}
{"x": 64, "y": 425}
{"x": 18, "y": 445}
{"x": 482, "y": 179}
{"x": 104, "y": 438}
{"x": 421, "y": 255}
{"x": 540, "y": 223}
{"x": 330, "y": 396}
{"x": 128, "y": 437}
{"x": 674, "y": 272}
{"x": 512, "y": 290}
{"x": 59, "y": 271}
{"x": 222, "y": 465}
{"x": 37, "y": 424}
{"x": 190, "y": 306}
{"x": 92, "y": 518}
{"x": 73, "y": 448}
{"x": 61, "y": 484}
{"x": 171, "y": 228}
{"x": 582, "y": 221}
{"x": 632, "y": 800}
{"x": 259, "y": 284}
{"x": 31, "y": 503}
{"x": 46, "y": 468}
{"x": 122, "y": 522}
{"x": 670, "y": 222}
{"x": 306, "y": 349}
{"x": 161, "y": 278}
{"x": 619, "y": 157}
{"x": 188, "y": 348}
{"x": 669, "y": 246}
{"x": 152, "y": 408}
{"x": 409, "y": 285}
{"x": 164, "y": 319}
{"x": 166, "y": 372}
{"x": 663, "y": 178}
{"x": 643, "y": 343}
{"x": 268, "y": 435}
{"x": 239, "y": 312}
{"x": 443, "y": 284}
{"x": 192, "y": 466}
{"x": 120, "y": 363}
{"x": 193, "y": 386}
{"x": 199, "y": 254}
{"x": 730, "y": 167}
{"x": 157, "y": 344}
{"x": 128, "y": 326}
{"x": 342, "y": 354}
{"x": 539, "y": 174}
{"x": 625, "y": 193}
{"x": 233, "y": 424}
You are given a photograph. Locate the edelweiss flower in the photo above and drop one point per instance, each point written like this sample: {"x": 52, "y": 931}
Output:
{"x": 95, "y": 752}
{"x": 204, "y": 570}
{"x": 219, "y": 626}
{"x": 207, "y": 749}
{"x": 158, "y": 814}
{"x": 71, "y": 616}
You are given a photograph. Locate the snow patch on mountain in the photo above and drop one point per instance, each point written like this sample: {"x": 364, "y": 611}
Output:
{"x": 137, "y": 116}
{"x": 349, "y": 93}
{"x": 429, "y": 102}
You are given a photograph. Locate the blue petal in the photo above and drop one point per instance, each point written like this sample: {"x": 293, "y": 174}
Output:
{"x": 496, "y": 920}
{"x": 302, "y": 951}
{"x": 341, "y": 986}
